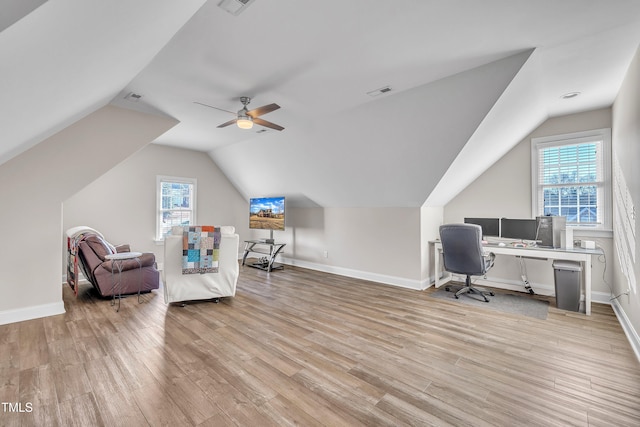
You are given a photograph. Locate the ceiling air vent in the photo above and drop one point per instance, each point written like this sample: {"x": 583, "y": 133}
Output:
{"x": 133, "y": 97}
{"x": 234, "y": 7}
{"x": 379, "y": 91}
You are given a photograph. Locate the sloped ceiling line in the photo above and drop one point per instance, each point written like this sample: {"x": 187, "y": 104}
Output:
{"x": 391, "y": 152}
{"x": 68, "y": 58}
{"x": 518, "y": 110}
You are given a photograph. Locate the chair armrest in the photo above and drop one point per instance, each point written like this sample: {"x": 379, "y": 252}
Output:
{"x": 123, "y": 248}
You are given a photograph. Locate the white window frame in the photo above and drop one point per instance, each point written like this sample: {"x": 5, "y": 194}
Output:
{"x": 159, "y": 210}
{"x": 604, "y": 185}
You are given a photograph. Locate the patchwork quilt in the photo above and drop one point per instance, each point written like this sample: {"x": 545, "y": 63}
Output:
{"x": 200, "y": 249}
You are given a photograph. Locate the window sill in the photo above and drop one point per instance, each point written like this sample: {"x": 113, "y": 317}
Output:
{"x": 159, "y": 242}
{"x": 590, "y": 232}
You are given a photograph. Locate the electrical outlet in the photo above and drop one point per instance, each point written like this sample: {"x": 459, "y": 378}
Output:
{"x": 325, "y": 254}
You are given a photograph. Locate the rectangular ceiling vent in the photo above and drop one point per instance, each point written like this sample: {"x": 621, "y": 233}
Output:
{"x": 379, "y": 91}
{"x": 235, "y": 7}
{"x": 133, "y": 97}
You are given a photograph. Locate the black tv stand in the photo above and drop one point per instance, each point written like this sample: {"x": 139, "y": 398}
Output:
{"x": 267, "y": 262}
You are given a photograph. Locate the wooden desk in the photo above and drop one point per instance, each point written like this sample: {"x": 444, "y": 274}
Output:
{"x": 570, "y": 254}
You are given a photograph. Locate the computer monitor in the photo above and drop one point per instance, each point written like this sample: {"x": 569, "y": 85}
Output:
{"x": 490, "y": 226}
{"x": 523, "y": 229}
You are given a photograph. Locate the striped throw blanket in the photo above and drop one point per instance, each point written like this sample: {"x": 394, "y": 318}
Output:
{"x": 200, "y": 249}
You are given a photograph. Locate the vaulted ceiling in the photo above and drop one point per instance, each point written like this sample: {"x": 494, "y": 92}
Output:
{"x": 469, "y": 80}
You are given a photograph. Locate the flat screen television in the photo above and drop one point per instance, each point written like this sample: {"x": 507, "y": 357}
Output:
{"x": 523, "y": 229}
{"x": 266, "y": 213}
{"x": 490, "y": 226}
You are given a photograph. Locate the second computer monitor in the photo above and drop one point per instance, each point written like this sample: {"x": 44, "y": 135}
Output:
{"x": 523, "y": 229}
{"x": 490, "y": 226}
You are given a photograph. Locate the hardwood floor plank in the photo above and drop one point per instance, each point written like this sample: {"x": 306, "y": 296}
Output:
{"x": 33, "y": 344}
{"x": 190, "y": 398}
{"x": 9, "y": 333}
{"x": 133, "y": 368}
{"x": 64, "y": 352}
{"x": 160, "y": 364}
{"x": 81, "y": 411}
{"x": 158, "y": 408}
{"x": 71, "y": 381}
{"x": 55, "y": 328}
{"x": 282, "y": 412}
{"x": 301, "y": 347}
{"x": 120, "y": 409}
{"x": 302, "y": 398}
{"x": 235, "y": 408}
{"x": 37, "y": 386}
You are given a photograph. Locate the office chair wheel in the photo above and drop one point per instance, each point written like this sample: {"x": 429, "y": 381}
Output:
{"x": 457, "y": 297}
{"x": 448, "y": 289}
{"x": 531, "y": 291}
{"x": 492, "y": 294}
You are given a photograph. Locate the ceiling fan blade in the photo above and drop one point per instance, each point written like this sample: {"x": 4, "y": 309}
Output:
{"x": 211, "y": 106}
{"x": 230, "y": 122}
{"x": 267, "y": 124}
{"x": 257, "y": 112}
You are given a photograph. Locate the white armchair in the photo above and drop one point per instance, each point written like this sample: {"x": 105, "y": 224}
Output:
{"x": 187, "y": 287}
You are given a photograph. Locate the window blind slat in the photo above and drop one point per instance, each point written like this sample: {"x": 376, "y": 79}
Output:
{"x": 569, "y": 180}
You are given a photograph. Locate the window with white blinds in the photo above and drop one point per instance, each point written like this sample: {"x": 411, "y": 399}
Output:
{"x": 176, "y": 201}
{"x": 571, "y": 178}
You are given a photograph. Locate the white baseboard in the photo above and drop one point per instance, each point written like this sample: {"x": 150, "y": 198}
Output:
{"x": 627, "y": 327}
{"x": 359, "y": 274}
{"x": 33, "y": 312}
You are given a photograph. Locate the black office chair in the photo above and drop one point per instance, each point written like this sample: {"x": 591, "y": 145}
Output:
{"x": 463, "y": 254}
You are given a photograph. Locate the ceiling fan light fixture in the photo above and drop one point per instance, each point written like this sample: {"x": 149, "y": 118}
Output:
{"x": 244, "y": 122}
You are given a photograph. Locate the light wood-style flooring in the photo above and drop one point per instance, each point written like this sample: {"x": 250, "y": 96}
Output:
{"x": 298, "y": 347}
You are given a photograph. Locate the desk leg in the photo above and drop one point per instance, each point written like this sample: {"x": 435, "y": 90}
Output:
{"x": 437, "y": 282}
{"x": 436, "y": 266}
{"x": 587, "y": 285}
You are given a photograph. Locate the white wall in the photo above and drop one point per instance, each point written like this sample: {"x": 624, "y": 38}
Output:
{"x": 430, "y": 220}
{"x": 380, "y": 244}
{"x": 121, "y": 204}
{"x": 36, "y": 182}
{"x": 504, "y": 190}
{"x": 387, "y": 152}
{"x": 626, "y": 148}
